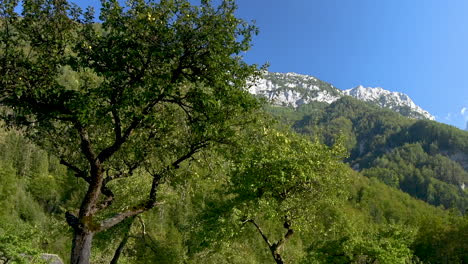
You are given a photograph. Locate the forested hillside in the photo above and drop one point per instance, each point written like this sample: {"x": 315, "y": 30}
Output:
{"x": 200, "y": 220}
{"x": 421, "y": 157}
{"x": 135, "y": 140}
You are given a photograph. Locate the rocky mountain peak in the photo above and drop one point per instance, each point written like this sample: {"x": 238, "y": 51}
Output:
{"x": 293, "y": 89}
{"x": 396, "y": 101}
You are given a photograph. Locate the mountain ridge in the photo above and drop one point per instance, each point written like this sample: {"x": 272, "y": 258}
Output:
{"x": 293, "y": 89}
{"x": 399, "y": 102}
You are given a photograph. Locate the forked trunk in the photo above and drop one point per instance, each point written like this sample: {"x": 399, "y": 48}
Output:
{"x": 275, "y": 247}
{"x": 81, "y": 246}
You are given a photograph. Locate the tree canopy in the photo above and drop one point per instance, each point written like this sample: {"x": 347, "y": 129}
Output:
{"x": 145, "y": 89}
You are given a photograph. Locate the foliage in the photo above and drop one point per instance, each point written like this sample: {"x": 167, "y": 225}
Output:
{"x": 439, "y": 241}
{"x": 17, "y": 246}
{"x": 272, "y": 175}
{"x": 424, "y": 158}
{"x": 151, "y": 86}
{"x": 355, "y": 230}
{"x": 388, "y": 244}
{"x": 22, "y": 219}
{"x": 282, "y": 168}
{"x": 149, "y": 109}
{"x": 425, "y": 176}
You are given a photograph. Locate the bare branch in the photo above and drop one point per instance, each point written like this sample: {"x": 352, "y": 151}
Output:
{"x": 110, "y": 222}
{"x": 265, "y": 238}
{"x": 143, "y": 226}
{"x": 144, "y": 235}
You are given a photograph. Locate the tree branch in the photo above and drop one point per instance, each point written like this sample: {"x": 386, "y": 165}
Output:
{"x": 89, "y": 202}
{"x": 174, "y": 165}
{"x": 265, "y": 238}
{"x": 110, "y": 222}
{"x": 122, "y": 244}
{"x": 287, "y": 224}
{"x": 144, "y": 235}
{"x": 108, "y": 192}
{"x": 108, "y": 152}
{"x": 107, "y": 201}
{"x": 117, "y": 124}
{"x": 78, "y": 172}
{"x": 121, "y": 174}
{"x": 85, "y": 143}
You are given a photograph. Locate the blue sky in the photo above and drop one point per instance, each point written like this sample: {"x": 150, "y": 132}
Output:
{"x": 418, "y": 47}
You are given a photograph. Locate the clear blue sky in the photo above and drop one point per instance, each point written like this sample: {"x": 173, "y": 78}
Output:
{"x": 418, "y": 47}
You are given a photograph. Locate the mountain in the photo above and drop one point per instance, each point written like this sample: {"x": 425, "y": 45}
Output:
{"x": 399, "y": 102}
{"x": 466, "y": 126}
{"x": 293, "y": 90}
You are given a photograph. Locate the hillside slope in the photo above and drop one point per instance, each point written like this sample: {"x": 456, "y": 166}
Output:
{"x": 424, "y": 158}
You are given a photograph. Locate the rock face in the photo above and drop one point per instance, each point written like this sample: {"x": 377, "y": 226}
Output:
{"x": 398, "y": 102}
{"x": 292, "y": 89}
{"x": 461, "y": 158}
{"x": 466, "y": 126}
{"x": 51, "y": 258}
{"x": 44, "y": 258}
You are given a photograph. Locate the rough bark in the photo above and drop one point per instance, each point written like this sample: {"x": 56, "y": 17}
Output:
{"x": 278, "y": 258}
{"x": 81, "y": 246}
{"x": 83, "y": 224}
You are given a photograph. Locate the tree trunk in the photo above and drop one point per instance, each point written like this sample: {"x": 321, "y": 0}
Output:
{"x": 120, "y": 248}
{"x": 122, "y": 244}
{"x": 275, "y": 247}
{"x": 277, "y": 257}
{"x": 81, "y": 246}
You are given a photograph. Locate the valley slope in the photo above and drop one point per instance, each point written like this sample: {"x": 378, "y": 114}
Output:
{"x": 388, "y": 136}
